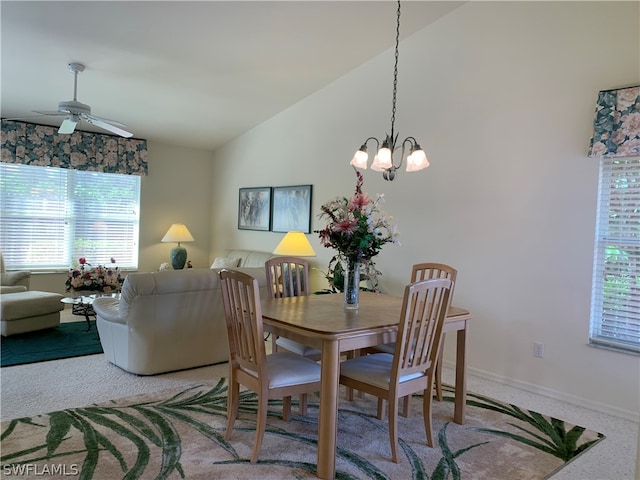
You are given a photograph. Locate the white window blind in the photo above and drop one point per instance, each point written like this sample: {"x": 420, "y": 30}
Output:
{"x": 615, "y": 307}
{"x": 50, "y": 217}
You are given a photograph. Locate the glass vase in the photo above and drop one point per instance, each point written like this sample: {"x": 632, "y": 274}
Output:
{"x": 351, "y": 284}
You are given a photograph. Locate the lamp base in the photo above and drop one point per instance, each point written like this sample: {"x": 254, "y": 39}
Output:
{"x": 178, "y": 257}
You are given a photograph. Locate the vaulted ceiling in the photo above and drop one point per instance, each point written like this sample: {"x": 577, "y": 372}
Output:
{"x": 190, "y": 73}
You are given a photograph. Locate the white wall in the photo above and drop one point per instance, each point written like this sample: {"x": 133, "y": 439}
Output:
{"x": 501, "y": 96}
{"x": 175, "y": 191}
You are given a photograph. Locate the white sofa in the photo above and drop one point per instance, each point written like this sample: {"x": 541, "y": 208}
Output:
{"x": 172, "y": 319}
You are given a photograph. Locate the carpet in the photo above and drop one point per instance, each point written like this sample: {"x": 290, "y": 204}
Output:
{"x": 179, "y": 433}
{"x": 65, "y": 341}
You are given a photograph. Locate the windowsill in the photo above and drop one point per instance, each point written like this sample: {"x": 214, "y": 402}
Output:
{"x": 612, "y": 348}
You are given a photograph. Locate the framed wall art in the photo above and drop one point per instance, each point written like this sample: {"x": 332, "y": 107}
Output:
{"x": 291, "y": 207}
{"x": 254, "y": 208}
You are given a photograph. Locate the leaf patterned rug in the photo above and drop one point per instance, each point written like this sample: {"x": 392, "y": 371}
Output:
{"x": 179, "y": 434}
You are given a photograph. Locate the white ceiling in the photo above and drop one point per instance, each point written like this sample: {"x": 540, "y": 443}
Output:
{"x": 190, "y": 73}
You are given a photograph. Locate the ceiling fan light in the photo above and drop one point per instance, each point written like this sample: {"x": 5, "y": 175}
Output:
{"x": 360, "y": 158}
{"x": 417, "y": 160}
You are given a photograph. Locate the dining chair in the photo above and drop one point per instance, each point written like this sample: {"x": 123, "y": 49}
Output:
{"x": 425, "y": 271}
{"x": 289, "y": 277}
{"x": 277, "y": 375}
{"x": 411, "y": 368}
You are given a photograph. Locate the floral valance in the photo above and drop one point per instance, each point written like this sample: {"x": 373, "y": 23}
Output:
{"x": 616, "y": 128}
{"x": 41, "y": 145}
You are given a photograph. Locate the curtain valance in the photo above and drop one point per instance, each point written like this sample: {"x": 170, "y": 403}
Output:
{"x": 41, "y": 145}
{"x": 616, "y": 128}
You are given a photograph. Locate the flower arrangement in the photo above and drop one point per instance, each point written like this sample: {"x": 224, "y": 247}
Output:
{"x": 98, "y": 279}
{"x": 357, "y": 228}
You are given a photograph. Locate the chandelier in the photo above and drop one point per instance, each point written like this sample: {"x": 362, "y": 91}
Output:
{"x": 383, "y": 161}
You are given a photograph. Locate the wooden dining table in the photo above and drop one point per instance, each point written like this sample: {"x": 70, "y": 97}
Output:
{"x": 321, "y": 321}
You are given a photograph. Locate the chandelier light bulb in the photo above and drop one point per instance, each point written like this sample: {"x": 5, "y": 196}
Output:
{"x": 384, "y": 156}
{"x": 375, "y": 165}
{"x": 360, "y": 158}
{"x": 417, "y": 160}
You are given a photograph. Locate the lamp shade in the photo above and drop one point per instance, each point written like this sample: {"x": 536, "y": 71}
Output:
{"x": 295, "y": 244}
{"x": 178, "y": 232}
{"x": 417, "y": 161}
{"x": 360, "y": 158}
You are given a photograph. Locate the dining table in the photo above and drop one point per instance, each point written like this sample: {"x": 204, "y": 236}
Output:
{"x": 321, "y": 321}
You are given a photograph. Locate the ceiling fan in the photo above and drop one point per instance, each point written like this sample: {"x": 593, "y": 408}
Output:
{"x": 76, "y": 111}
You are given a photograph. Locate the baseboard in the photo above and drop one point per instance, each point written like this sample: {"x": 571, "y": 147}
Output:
{"x": 551, "y": 393}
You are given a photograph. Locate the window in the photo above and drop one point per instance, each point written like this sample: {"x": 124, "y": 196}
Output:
{"x": 615, "y": 307}
{"x": 53, "y": 216}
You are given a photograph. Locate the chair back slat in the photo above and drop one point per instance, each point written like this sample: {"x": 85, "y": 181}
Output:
{"x": 243, "y": 313}
{"x": 287, "y": 277}
{"x": 429, "y": 270}
{"x": 424, "y": 310}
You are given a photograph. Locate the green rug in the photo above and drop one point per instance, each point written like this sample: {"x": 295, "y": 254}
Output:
{"x": 179, "y": 434}
{"x": 65, "y": 341}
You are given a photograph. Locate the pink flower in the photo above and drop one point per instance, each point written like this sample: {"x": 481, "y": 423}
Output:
{"x": 359, "y": 200}
{"x": 82, "y": 260}
{"x": 346, "y": 226}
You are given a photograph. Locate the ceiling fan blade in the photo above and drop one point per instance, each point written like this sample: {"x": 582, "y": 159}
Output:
{"x": 109, "y": 121}
{"x": 51, "y": 112}
{"x": 106, "y": 126}
{"x": 68, "y": 126}
{"x": 24, "y": 117}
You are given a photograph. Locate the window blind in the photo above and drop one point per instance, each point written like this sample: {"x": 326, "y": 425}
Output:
{"x": 50, "y": 217}
{"x": 615, "y": 308}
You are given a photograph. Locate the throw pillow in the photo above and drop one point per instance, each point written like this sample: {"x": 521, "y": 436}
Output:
{"x": 225, "y": 262}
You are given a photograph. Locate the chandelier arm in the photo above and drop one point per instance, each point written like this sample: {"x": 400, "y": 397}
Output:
{"x": 372, "y": 138}
{"x": 393, "y": 165}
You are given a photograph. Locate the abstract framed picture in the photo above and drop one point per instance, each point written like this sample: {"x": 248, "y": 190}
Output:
{"x": 291, "y": 207}
{"x": 254, "y": 208}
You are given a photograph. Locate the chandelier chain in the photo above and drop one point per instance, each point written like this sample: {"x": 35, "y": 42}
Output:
{"x": 395, "y": 76}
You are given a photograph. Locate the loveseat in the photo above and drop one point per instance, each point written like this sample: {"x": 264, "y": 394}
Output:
{"x": 171, "y": 319}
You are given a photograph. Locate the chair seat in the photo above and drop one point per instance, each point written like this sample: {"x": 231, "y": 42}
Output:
{"x": 295, "y": 347}
{"x": 287, "y": 369}
{"x": 373, "y": 369}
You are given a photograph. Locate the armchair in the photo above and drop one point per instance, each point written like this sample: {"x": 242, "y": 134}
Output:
{"x": 13, "y": 282}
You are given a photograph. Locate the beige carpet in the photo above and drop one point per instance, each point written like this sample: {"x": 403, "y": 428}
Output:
{"x": 179, "y": 434}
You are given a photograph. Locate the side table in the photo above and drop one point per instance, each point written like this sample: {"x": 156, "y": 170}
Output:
{"x": 82, "y": 305}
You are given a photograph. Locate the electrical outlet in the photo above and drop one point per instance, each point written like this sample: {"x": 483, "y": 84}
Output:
{"x": 538, "y": 349}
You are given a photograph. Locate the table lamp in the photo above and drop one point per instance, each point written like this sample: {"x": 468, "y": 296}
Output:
{"x": 178, "y": 232}
{"x": 295, "y": 244}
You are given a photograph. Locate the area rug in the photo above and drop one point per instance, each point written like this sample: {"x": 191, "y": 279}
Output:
{"x": 178, "y": 434}
{"x": 65, "y": 341}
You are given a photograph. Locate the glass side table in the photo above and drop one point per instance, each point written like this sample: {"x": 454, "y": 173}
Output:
{"x": 82, "y": 305}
